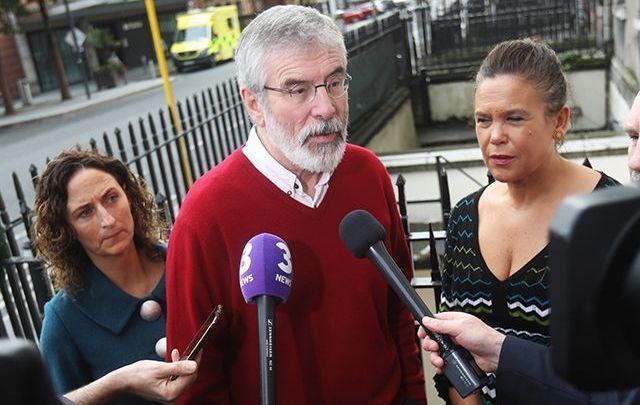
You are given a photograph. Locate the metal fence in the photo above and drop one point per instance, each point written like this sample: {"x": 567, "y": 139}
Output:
{"x": 25, "y": 285}
{"x": 380, "y": 65}
{"x": 213, "y": 124}
{"x": 462, "y": 33}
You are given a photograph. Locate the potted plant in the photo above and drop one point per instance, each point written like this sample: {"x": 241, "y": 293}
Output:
{"x": 109, "y": 71}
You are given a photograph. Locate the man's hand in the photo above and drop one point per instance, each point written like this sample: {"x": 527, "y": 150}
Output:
{"x": 481, "y": 340}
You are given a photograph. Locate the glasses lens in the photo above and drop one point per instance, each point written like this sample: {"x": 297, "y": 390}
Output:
{"x": 337, "y": 86}
{"x": 302, "y": 93}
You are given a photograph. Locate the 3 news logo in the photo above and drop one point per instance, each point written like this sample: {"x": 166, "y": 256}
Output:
{"x": 266, "y": 267}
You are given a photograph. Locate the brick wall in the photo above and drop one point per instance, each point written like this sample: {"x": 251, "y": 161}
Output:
{"x": 10, "y": 60}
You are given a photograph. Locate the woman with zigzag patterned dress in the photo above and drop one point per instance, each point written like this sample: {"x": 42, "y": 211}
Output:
{"x": 496, "y": 254}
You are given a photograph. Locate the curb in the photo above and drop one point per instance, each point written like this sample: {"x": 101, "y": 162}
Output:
{"x": 61, "y": 109}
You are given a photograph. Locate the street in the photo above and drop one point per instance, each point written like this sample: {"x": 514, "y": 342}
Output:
{"x": 34, "y": 142}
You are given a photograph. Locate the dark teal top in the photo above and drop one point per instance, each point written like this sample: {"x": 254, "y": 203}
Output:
{"x": 97, "y": 330}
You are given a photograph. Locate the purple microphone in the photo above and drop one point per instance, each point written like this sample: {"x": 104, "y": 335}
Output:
{"x": 265, "y": 279}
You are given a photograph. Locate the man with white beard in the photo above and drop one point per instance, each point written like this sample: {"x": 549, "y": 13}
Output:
{"x": 523, "y": 368}
{"x": 295, "y": 178}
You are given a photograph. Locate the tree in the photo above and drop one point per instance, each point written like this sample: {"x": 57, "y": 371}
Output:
{"x": 55, "y": 54}
{"x": 6, "y": 7}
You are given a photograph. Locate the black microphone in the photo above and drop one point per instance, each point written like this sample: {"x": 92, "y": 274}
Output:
{"x": 362, "y": 234}
{"x": 265, "y": 277}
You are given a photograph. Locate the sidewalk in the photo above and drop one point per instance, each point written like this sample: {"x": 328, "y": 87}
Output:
{"x": 49, "y": 104}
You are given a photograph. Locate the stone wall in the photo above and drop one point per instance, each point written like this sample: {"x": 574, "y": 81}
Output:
{"x": 587, "y": 99}
{"x": 398, "y": 134}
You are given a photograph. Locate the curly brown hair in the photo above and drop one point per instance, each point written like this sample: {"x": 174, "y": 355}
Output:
{"x": 55, "y": 239}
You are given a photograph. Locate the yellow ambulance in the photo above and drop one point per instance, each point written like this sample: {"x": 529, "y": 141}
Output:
{"x": 204, "y": 37}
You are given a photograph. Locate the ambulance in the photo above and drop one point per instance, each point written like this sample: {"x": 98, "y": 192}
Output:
{"x": 205, "y": 37}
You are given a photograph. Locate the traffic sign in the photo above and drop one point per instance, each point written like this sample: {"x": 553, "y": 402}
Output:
{"x": 80, "y": 37}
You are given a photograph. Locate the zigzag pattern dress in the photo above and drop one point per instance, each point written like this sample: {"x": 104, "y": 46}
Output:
{"x": 518, "y": 305}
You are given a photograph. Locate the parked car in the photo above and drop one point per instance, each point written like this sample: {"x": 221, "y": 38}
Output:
{"x": 368, "y": 9}
{"x": 352, "y": 15}
{"x": 359, "y": 12}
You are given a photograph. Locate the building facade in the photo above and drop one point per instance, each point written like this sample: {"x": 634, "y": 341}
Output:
{"x": 625, "y": 61}
{"x": 126, "y": 20}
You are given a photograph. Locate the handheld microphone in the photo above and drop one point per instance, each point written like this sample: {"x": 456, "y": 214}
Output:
{"x": 265, "y": 279}
{"x": 362, "y": 234}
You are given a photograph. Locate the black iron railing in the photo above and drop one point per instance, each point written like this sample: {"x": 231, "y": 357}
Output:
{"x": 25, "y": 286}
{"x": 460, "y": 35}
{"x": 213, "y": 123}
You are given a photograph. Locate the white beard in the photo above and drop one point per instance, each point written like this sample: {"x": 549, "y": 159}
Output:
{"x": 635, "y": 176}
{"x": 294, "y": 147}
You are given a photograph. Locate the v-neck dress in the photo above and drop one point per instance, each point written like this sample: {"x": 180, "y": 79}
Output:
{"x": 517, "y": 305}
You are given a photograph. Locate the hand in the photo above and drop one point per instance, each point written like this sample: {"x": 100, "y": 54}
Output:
{"x": 151, "y": 379}
{"x": 481, "y": 340}
{"x": 146, "y": 378}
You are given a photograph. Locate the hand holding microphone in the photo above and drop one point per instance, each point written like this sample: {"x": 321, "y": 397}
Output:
{"x": 265, "y": 279}
{"x": 363, "y": 236}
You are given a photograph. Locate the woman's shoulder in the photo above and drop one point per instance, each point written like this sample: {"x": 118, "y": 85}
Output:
{"x": 606, "y": 181}
{"x": 63, "y": 307}
{"x": 467, "y": 203}
{"x": 581, "y": 179}
{"x": 57, "y": 313}
{"x": 61, "y": 300}
{"x": 464, "y": 213}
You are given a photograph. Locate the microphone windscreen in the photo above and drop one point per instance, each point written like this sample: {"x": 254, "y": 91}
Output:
{"x": 359, "y": 230}
{"x": 265, "y": 268}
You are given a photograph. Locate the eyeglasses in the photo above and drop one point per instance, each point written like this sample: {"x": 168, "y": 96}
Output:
{"x": 302, "y": 93}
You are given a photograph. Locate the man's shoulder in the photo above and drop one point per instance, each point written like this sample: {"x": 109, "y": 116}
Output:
{"x": 358, "y": 156}
{"x": 221, "y": 190}
{"x": 225, "y": 171}
{"x": 218, "y": 181}
{"x": 359, "y": 152}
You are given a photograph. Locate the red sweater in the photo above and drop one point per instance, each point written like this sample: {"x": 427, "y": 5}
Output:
{"x": 342, "y": 337}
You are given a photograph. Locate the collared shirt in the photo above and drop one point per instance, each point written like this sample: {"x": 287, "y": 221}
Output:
{"x": 286, "y": 181}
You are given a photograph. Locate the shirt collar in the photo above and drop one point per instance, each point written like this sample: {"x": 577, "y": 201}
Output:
{"x": 258, "y": 155}
{"x": 109, "y": 306}
{"x": 285, "y": 180}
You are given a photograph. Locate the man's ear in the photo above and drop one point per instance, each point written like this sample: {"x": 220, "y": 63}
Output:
{"x": 254, "y": 108}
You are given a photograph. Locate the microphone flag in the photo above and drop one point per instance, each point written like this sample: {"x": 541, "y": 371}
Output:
{"x": 266, "y": 268}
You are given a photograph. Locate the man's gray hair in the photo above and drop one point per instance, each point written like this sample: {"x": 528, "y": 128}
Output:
{"x": 282, "y": 28}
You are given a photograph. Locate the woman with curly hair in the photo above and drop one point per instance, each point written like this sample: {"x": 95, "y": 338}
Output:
{"x": 98, "y": 229}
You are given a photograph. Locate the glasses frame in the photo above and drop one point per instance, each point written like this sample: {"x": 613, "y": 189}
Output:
{"x": 347, "y": 78}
